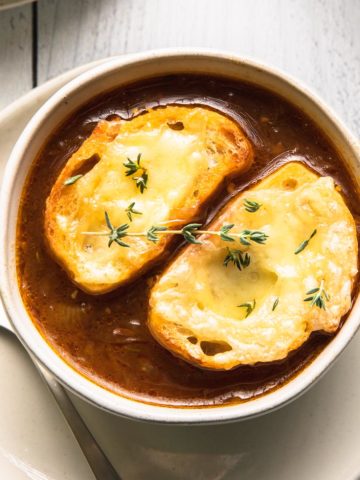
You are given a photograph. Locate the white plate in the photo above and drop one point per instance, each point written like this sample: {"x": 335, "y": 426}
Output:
{"x": 316, "y": 437}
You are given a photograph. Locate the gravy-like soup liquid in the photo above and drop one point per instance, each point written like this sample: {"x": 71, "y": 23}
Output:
{"x": 106, "y": 337}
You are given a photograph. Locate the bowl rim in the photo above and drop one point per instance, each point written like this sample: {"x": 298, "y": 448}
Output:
{"x": 75, "y": 381}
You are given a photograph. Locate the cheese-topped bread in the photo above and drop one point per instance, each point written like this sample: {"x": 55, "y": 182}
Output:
{"x": 156, "y": 168}
{"x": 218, "y": 309}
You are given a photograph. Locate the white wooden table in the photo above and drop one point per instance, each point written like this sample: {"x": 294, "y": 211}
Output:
{"x": 318, "y": 41}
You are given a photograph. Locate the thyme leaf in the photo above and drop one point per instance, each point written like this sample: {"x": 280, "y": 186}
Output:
{"x": 249, "y": 306}
{"x": 130, "y": 211}
{"x": 305, "y": 243}
{"x": 141, "y": 182}
{"x": 135, "y": 167}
{"x": 317, "y": 296}
{"x": 131, "y": 166}
{"x": 251, "y": 206}
{"x": 152, "y": 233}
{"x": 116, "y": 233}
{"x": 72, "y": 180}
{"x": 225, "y": 229}
{"x": 189, "y": 232}
{"x": 238, "y": 258}
{"x": 247, "y": 236}
{"x": 275, "y": 304}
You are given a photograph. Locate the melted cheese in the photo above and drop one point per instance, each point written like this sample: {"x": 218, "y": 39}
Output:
{"x": 184, "y": 168}
{"x": 196, "y": 301}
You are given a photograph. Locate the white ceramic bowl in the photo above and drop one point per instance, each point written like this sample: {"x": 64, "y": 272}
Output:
{"x": 115, "y": 73}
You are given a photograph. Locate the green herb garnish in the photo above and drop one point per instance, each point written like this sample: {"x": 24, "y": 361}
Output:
{"x": 141, "y": 181}
{"x": 305, "y": 243}
{"x": 116, "y": 233}
{"x": 225, "y": 229}
{"x": 130, "y": 211}
{"x": 317, "y": 297}
{"x": 250, "y": 306}
{"x": 152, "y": 233}
{"x": 135, "y": 167}
{"x": 247, "y": 236}
{"x": 251, "y": 206}
{"x": 131, "y": 166}
{"x": 275, "y": 304}
{"x": 238, "y": 258}
{"x": 72, "y": 180}
{"x": 189, "y": 233}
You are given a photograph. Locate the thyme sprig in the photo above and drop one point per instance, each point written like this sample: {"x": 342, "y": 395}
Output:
{"x": 305, "y": 243}
{"x": 189, "y": 232}
{"x": 251, "y": 206}
{"x": 317, "y": 296}
{"x": 238, "y": 258}
{"x": 135, "y": 167}
{"x": 245, "y": 237}
{"x": 131, "y": 166}
{"x": 130, "y": 211}
{"x": 249, "y": 306}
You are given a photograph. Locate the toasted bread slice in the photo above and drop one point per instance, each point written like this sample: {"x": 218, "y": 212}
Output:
{"x": 186, "y": 151}
{"x": 199, "y": 306}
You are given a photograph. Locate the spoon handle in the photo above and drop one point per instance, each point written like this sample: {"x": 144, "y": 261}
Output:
{"x": 98, "y": 461}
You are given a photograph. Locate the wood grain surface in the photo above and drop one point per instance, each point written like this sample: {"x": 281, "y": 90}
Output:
{"x": 317, "y": 41}
{"x": 15, "y": 53}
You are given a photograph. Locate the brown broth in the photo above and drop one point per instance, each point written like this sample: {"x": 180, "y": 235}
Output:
{"x": 106, "y": 338}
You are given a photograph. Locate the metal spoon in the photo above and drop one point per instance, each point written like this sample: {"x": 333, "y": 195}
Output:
{"x": 98, "y": 461}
